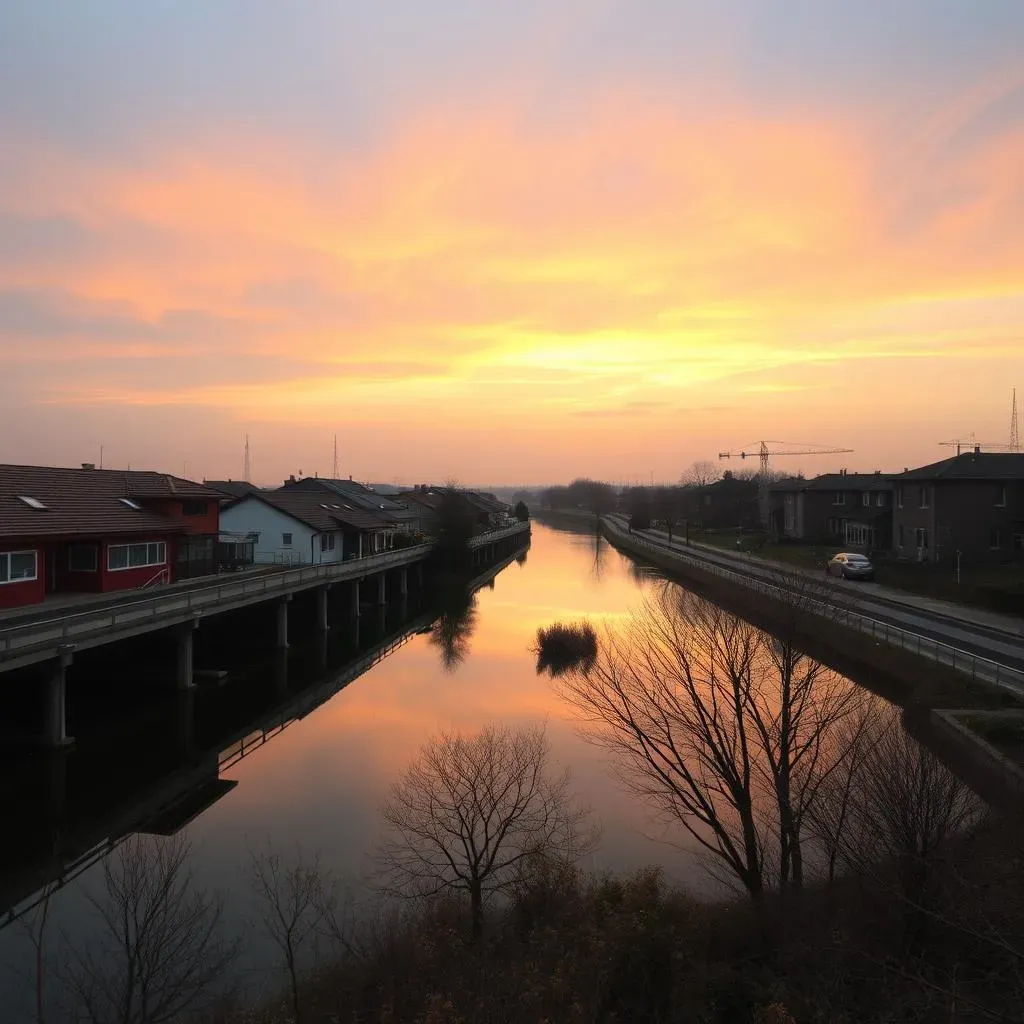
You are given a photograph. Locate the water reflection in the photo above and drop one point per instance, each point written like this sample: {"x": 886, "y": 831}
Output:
{"x": 454, "y": 627}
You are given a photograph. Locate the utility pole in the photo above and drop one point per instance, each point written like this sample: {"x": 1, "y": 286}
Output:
{"x": 1014, "y": 427}
{"x": 247, "y": 468}
{"x": 334, "y": 474}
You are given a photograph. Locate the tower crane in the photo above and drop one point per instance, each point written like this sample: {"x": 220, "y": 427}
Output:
{"x": 969, "y": 442}
{"x": 763, "y": 452}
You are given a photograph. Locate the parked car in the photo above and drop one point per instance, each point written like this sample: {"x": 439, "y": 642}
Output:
{"x": 851, "y": 566}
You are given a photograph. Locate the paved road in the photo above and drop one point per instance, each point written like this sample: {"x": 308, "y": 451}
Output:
{"x": 984, "y": 639}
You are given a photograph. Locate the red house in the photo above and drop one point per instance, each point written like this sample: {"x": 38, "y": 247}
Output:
{"x": 100, "y": 530}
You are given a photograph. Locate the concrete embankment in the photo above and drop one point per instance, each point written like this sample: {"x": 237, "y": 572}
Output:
{"x": 900, "y": 675}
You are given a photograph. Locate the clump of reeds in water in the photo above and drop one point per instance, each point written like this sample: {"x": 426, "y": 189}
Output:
{"x": 563, "y": 647}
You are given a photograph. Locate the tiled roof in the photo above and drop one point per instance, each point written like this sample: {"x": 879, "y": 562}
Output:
{"x": 971, "y": 466}
{"x": 358, "y": 496}
{"x": 85, "y": 502}
{"x": 838, "y": 482}
{"x": 232, "y": 488}
{"x": 428, "y": 499}
{"x": 323, "y": 512}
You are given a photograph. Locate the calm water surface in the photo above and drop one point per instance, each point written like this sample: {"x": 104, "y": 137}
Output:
{"x": 318, "y": 784}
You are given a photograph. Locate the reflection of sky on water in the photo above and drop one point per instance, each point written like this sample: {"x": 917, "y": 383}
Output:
{"x": 319, "y": 783}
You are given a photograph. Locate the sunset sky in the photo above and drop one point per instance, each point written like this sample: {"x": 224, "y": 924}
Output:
{"x": 507, "y": 242}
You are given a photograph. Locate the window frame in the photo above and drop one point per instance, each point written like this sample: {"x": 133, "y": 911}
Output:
{"x": 995, "y": 534}
{"x": 161, "y": 546}
{"x": 839, "y": 498}
{"x": 191, "y": 507}
{"x": 286, "y": 539}
{"x": 8, "y": 555}
{"x": 880, "y": 499}
{"x": 1001, "y": 497}
{"x": 923, "y": 497}
{"x": 94, "y": 548}
{"x": 865, "y": 499}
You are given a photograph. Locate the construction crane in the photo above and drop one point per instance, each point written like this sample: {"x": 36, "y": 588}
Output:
{"x": 970, "y": 442}
{"x": 763, "y": 452}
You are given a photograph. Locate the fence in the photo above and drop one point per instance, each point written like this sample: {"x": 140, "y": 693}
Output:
{"x": 977, "y": 667}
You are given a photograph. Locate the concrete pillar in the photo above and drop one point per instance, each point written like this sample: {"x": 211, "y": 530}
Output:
{"x": 355, "y": 598}
{"x": 184, "y": 677}
{"x": 419, "y": 574}
{"x": 55, "y": 725}
{"x": 322, "y": 624}
{"x": 282, "y": 621}
{"x": 354, "y": 629}
{"x": 382, "y": 619}
{"x": 382, "y": 588}
{"x": 403, "y": 582}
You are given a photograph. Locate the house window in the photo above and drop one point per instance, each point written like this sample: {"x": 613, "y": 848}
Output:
{"x": 136, "y": 556}
{"x": 193, "y": 508}
{"x": 832, "y": 526}
{"x": 130, "y": 504}
{"x": 899, "y": 496}
{"x": 901, "y": 534}
{"x": 995, "y": 539}
{"x": 922, "y": 538}
{"x": 327, "y": 542}
{"x": 18, "y": 566}
{"x": 83, "y": 558}
{"x": 839, "y": 498}
{"x": 1001, "y": 497}
{"x": 286, "y": 540}
{"x": 922, "y": 493}
{"x": 865, "y": 498}
{"x": 880, "y": 499}
{"x": 1018, "y": 541}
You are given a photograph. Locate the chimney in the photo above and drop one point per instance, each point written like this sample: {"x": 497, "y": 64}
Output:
{"x": 88, "y": 465}
{"x": 291, "y": 479}
{"x": 977, "y": 449}
{"x": 878, "y": 472}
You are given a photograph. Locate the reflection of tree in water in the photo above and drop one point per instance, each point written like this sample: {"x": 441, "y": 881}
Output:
{"x": 600, "y": 564}
{"x": 452, "y": 630}
{"x": 521, "y": 557}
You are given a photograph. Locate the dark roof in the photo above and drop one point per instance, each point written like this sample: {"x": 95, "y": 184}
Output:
{"x": 358, "y": 496}
{"x": 971, "y": 466}
{"x": 232, "y": 488}
{"x": 838, "y": 482}
{"x": 489, "y": 501}
{"x": 85, "y": 502}
{"x": 428, "y": 499}
{"x": 319, "y": 511}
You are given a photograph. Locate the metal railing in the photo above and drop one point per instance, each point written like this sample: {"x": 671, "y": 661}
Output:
{"x": 499, "y": 534}
{"x": 976, "y": 666}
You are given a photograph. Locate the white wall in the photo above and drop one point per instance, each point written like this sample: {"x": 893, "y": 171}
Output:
{"x": 325, "y": 556}
{"x": 253, "y": 516}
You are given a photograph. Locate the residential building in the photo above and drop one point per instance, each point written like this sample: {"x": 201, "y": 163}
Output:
{"x": 972, "y": 503}
{"x": 297, "y": 526}
{"x": 401, "y": 518}
{"x": 426, "y": 500}
{"x": 846, "y": 510}
{"x": 726, "y": 504}
{"x": 100, "y": 530}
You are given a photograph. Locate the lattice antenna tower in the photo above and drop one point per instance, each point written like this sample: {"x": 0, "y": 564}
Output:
{"x": 1014, "y": 426}
{"x": 334, "y": 474}
{"x": 247, "y": 469}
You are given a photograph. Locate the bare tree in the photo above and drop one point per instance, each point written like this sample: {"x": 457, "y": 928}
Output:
{"x": 899, "y": 807}
{"x": 701, "y": 473}
{"x": 728, "y": 730}
{"x": 296, "y": 900}
{"x": 157, "y": 954}
{"x": 665, "y": 696}
{"x": 471, "y": 811}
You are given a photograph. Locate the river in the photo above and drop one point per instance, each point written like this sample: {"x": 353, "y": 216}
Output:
{"x": 317, "y": 784}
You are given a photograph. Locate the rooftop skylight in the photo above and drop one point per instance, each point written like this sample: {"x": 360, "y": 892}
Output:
{"x": 31, "y": 502}
{"x": 130, "y": 503}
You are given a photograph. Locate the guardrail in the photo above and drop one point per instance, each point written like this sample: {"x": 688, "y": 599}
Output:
{"x": 500, "y": 534}
{"x": 74, "y": 626}
{"x": 977, "y": 667}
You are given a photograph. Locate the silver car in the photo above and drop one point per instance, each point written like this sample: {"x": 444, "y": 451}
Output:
{"x": 851, "y": 566}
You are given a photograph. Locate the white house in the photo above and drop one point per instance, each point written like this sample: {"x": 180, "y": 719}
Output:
{"x": 296, "y": 527}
